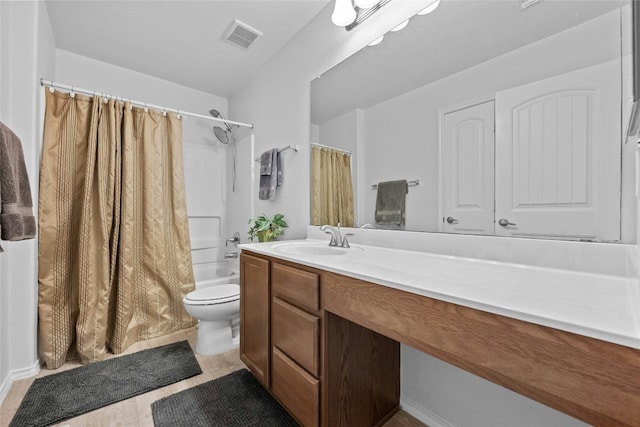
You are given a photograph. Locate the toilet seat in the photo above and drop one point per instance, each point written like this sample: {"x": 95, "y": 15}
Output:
{"x": 213, "y": 295}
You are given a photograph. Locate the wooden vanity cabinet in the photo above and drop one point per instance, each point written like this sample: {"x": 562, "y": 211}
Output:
{"x": 348, "y": 377}
{"x": 334, "y": 345}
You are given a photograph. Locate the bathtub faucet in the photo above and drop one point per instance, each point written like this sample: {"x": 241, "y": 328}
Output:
{"x": 235, "y": 239}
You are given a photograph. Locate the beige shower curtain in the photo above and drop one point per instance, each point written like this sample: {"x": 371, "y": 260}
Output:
{"x": 114, "y": 250}
{"x": 331, "y": 187}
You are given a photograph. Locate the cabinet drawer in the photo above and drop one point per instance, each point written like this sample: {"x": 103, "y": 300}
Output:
{"x": 298, "y": 287}
{"x": 297, "y": 334}
{"x": 298, "y": 391}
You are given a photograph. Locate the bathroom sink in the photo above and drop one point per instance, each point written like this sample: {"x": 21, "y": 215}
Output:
{"x": 309, "y": 248}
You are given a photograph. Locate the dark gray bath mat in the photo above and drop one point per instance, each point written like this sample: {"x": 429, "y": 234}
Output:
{"x": 65, "y": 395}
{"x": 235, "y": 400}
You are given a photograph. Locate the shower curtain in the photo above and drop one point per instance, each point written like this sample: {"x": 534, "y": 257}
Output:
{"x": 331, "y": 187}
{"x": 114, "y": 250}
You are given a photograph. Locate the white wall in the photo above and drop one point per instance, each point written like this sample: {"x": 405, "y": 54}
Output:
{"x": 27, "y": 51}
{"x": 443, "y": 395}
{"x": 278, "y": 102}
{"x": 206, "y": 166}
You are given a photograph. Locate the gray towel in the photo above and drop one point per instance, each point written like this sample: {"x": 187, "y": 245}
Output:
{"x": 266, "y": 162}
{"x": 391, "y": 202}
{"x": 279, "y": 168}
{"x": 16, "y": 214}
{"x": 269, "y": 182}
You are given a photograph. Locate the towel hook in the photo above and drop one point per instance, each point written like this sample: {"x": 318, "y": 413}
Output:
{"x": 73, "y": 93}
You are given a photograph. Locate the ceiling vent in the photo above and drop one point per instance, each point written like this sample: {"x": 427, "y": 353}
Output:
{"x": 241, "y": 34}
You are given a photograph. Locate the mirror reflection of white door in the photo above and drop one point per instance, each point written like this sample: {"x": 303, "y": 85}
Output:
{"x": 558, "y": 156}
{"x": 468, "y": 169}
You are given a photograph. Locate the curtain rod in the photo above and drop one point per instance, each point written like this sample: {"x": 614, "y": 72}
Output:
{"x": 74, "y": 89}
{"x": 331, "y": 148}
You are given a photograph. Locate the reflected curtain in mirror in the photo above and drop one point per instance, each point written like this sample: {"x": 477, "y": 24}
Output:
{"x": 331, "y": 187}
{"x": 114, "y": 248}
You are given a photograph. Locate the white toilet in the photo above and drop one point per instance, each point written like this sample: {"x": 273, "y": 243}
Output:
{"x": 218, "y": 309}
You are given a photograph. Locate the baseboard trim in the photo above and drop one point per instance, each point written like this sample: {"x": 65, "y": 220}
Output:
{"x": 422, "y": 414}
{"x": 15, "y": 375}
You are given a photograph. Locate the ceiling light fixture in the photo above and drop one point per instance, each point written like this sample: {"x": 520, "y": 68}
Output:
{"x": 377, "y": 41}
{"x": 343, "y": 13}
{"x": 526, "y": 3}
{"x": 346, "y": 14}
{"x": 427, "y": 10}
{"x": 402, "y": 26}
{"x": 366, "y": 4}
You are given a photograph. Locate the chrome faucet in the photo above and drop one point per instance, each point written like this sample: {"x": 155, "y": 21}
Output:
{"x": 336, "y": 236}
{"x": 235, "y": 239}
{"x": 345, "y": 242}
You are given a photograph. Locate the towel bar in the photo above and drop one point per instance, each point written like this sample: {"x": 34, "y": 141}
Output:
{"x": 413, "y": 183}
{"x": 288, "y": 147}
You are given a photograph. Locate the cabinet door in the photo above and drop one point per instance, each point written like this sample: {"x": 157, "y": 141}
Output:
{"x": 254, "y": 316}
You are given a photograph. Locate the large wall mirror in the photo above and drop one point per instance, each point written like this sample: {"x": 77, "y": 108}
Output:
{"x": 509, "y": 119}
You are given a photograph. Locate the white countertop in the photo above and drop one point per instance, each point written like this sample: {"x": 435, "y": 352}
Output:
{"x": 597, "y": 305}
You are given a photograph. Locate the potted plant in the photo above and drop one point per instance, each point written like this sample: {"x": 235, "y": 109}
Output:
{"x": 267, "y": 229}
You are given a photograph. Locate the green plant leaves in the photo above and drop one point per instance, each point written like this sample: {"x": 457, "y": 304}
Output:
{"x": 269, "y": 228}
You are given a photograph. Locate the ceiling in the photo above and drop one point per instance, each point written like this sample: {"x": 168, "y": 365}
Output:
{"x": 456, "y": 36}
{"x": 180, "y": 41}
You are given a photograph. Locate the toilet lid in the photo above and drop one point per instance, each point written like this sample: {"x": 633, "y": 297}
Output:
{"x": 215, "y": 294}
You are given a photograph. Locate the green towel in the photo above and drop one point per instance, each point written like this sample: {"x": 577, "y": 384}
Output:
{"x": 390, "y": 202}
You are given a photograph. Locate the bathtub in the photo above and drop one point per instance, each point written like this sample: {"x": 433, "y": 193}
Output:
{"x": 215, "y": 273}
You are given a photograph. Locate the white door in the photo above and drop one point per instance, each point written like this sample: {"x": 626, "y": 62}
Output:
{"x": 558, "y": 148}
{"x": 467, "y": 169}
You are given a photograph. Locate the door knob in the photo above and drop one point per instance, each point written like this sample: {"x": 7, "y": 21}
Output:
{"x": 452, "y": 220}
{"x": 503, "y": 222}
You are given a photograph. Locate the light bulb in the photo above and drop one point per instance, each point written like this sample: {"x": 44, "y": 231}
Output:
{"x": 343, "y": 13}
{"x": 427, "y": 10}
{"x": 401, "y": 26}
{"x": 376, "y": 41}
{"x": 366, "y": 4}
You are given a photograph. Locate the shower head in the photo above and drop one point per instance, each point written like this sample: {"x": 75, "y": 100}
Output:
{"x": 215, "y": 113}
{"x": 221, "y": 134}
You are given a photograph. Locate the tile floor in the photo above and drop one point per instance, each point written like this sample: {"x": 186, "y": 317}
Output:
{"x": 137, "y": 411}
